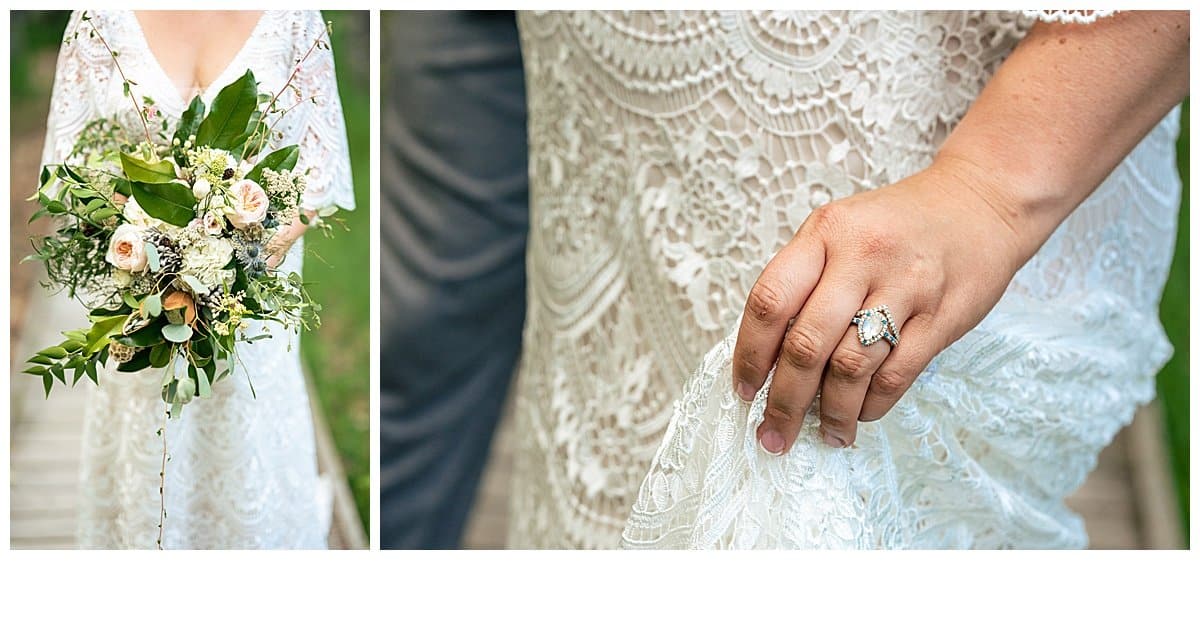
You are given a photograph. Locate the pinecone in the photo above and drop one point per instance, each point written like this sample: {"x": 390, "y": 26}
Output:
{"x": 169, "y": 259}
{"x": 212, "y": 297}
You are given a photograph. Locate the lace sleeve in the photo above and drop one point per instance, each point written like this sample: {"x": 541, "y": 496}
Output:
{"x": 1069, "y": 16}
{"x": 321, "y": 130}
{"x": 79, "y": 71}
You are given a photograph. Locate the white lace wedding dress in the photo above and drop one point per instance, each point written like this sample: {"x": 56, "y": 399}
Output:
{"x": 242, "y": 470}
{"x": 672, "y": 154}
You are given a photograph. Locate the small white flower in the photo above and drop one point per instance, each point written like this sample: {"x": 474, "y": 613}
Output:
{"x": 201, "y": 188}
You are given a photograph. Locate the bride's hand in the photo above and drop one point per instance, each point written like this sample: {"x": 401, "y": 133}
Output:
{"x": 938, "y": 249}
{"x": 283, "y": 240}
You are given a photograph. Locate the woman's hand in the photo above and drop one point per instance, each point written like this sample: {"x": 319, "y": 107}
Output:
{"x": 938, "y": 249}
{"x": 284, "y": 239}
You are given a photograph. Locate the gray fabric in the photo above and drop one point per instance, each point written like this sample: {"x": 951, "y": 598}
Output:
{"x": 455, "y": 217}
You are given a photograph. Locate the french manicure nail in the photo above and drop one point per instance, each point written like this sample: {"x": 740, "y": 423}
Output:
{"x": 772, "y": 442}
{"x": 745, "y": 391}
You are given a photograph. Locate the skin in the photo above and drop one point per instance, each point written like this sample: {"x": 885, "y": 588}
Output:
{"x": 194, "y": 48}
{"x": 940, "y": 247}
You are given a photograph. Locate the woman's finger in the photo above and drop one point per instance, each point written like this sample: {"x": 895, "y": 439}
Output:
{"x": 774, "y": 300}
{"x": 919, "y": 343}
{"x": 806, "y": 348}
{"x": 851, "y": 367}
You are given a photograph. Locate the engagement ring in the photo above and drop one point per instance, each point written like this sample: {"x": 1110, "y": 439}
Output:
{"x": 875, "y": 324}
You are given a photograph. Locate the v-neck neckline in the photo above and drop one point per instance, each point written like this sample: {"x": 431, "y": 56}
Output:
{"x": 179, "y": 99}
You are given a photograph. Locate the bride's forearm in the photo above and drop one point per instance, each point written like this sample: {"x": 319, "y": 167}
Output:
{"x": 1062, "y": 112}
{"x": 287, "y": 236}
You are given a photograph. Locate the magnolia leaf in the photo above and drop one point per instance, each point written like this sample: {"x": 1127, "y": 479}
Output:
{"x": 160, "y": 355}
{"x": 169, "y": 202}
{"x": 282, "y": 159}
{"x": 140, "y": 171}
{"x": 230, "y": 113}
{"x": 189, "y": 121}
{"x": 177, "y": 333}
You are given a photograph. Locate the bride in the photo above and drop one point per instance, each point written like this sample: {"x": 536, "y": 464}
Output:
{"x": 735, "y": 198}
{"x": 242, "y": 471}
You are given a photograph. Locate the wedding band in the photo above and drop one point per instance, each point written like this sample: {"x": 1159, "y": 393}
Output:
{"x": 875, "y": 324}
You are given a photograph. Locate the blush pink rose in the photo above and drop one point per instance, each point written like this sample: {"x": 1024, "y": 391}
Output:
{"x": 127, "y": 250}
{"x": 248, "y": 204}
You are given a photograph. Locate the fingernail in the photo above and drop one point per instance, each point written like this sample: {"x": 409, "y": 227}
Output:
{"x": 772, "y": 442}
{"x": 831, "y": 440}
{"x": 745, "y": 391}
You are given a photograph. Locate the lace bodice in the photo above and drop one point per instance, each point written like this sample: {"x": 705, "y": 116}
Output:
{"x": 242, "y": 472}
{"x": 673, "y": 154}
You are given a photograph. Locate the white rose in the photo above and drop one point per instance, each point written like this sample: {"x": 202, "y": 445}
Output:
{"x": 126, "y": 250}
{"x": 138, "y": 217}
{"x": 249, "y": 204}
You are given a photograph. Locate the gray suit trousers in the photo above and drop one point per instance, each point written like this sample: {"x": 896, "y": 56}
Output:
{"x": 454, "y": 222}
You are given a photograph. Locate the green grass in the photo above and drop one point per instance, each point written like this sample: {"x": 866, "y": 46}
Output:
{"x": 338, "y": 355}
{"x": 1173, "y": 381}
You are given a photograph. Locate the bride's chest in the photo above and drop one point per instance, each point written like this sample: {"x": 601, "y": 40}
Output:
{"x": 137, "y": 76}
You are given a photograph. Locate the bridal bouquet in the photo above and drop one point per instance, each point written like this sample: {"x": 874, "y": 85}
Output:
{"x": 165, "y": 240}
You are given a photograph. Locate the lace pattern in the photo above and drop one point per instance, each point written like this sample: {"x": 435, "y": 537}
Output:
{"x": 243, "y": 471}
{"x": 672, "y": 154}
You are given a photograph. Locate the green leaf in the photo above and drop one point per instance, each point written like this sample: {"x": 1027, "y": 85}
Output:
{"x": 177, "y": 333}
{"x": 54, "y": 352}
{"x": 230, "y": 113}
{"x": 151, "y": 256}
{"x": 202, "y": 384}
{"x": 282, "y": 159}
{"x": 198, "y": 287}
{"x": 101, "y": 332}
{"x": 152, "y": 305}
{"x": 169, "y": 202}
{"x": 36, "y": 371}
{"x": 140, "y": 171}
{"x": 47, "y": 383}
{"x": 160, "y": 355}
{"x": 189, "y": 121}
{"x": 140, "y": 361}
{"x": 90, "y": 368}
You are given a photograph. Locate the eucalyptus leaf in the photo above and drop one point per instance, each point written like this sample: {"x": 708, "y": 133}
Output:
{"x": 152, "y": 305}
{"x": 151, "y": 256}
{"x": 177, "y": 333}
{"x": 198, "y": 287}
{"x": 170, "y": 202}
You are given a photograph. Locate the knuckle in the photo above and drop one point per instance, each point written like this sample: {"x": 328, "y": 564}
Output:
{"x": 849, "y": 364}
{"x": 780, "y": 413}
{"x": 890, "y": 383}
{"x": 801, "y": 348}
{"x": 766, "y": 301}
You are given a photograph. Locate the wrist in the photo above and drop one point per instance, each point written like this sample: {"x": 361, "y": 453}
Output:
{"x": 1024, "y": 205}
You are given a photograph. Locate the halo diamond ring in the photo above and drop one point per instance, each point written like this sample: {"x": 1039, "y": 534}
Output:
{"x": 875, "y": 324}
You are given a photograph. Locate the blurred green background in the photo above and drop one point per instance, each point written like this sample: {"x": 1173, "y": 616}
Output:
{"x": 338, "y": 355}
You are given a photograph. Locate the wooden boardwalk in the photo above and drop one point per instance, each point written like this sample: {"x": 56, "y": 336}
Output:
{"x": 1126, "y": 503}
